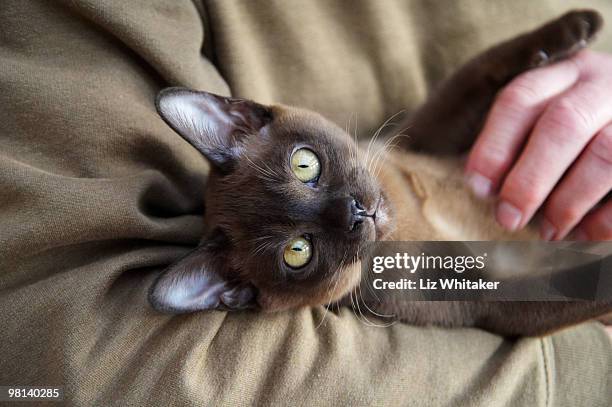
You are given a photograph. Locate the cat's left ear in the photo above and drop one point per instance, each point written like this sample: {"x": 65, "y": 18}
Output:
{"x": 213, "y": 124}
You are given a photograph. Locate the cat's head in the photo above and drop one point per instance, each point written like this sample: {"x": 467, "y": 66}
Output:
{"x": 288, "y": 206}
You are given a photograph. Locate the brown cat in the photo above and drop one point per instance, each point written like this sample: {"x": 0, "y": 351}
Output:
{"x": 290, "y": 198}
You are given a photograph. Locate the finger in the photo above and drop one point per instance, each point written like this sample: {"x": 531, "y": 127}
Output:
{"x": 512, "y": 116}
{"x": 584, "y": 186}
{"x": 597, "y": 225}
{"x": 561, "y": 133}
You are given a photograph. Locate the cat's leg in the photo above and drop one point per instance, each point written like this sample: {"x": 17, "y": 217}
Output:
{"x": 508, "y": 318}
{"x": 451, "y": 118}
{"x": 537, "y": 318}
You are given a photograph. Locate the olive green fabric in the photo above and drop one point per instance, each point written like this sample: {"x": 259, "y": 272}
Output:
{"x": 97, "y": 195}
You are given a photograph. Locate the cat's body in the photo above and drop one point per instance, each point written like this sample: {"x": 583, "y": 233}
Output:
{"x": 414, "y": 183}
{"x": 290, "y": 200}
{"x": 431, "y": 202}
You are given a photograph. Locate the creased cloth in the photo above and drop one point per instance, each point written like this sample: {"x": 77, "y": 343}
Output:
{"x": 97, "y": 195}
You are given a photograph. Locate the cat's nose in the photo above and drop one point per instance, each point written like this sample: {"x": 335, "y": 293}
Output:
{"x": 345, "y": 214}
{"x": 357, "y": 214}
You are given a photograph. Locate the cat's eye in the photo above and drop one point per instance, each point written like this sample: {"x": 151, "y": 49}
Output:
{"x": 305, "y": 165}
{"x": 297, "y": 252}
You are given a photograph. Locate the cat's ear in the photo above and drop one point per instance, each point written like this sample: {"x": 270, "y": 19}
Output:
{"x": 213, "y": 124}
{"x": 199, "y": 281}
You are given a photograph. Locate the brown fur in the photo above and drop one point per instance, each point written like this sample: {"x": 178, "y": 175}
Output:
{"x": 254, "y": 204}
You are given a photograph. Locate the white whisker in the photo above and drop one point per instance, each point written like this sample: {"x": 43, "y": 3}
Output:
{"x": 336, "y": 277}
{"x": 377, "y": 134}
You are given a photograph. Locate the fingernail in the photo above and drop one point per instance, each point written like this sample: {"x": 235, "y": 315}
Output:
{"x": 547, "y": 230}
{"x": 480, "y": 185}
{"x": 580, "y": 236}
{"x": 508, "y": 215}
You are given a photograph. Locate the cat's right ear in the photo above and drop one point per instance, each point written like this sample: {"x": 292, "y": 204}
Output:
{"x": 201, "y": 281}
{"x": 215, "y": 125}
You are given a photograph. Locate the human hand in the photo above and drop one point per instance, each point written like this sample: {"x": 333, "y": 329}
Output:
{"x": 547, "y": 143}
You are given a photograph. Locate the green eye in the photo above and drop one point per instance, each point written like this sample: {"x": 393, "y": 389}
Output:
{"x": 297, "y": 253}
{"x": 305, "y": 165}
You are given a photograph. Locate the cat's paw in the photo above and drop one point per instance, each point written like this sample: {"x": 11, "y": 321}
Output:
{"x": 567, "y": 35}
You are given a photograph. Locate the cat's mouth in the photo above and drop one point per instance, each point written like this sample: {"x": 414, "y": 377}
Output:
{"x": 381, "y": 218}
